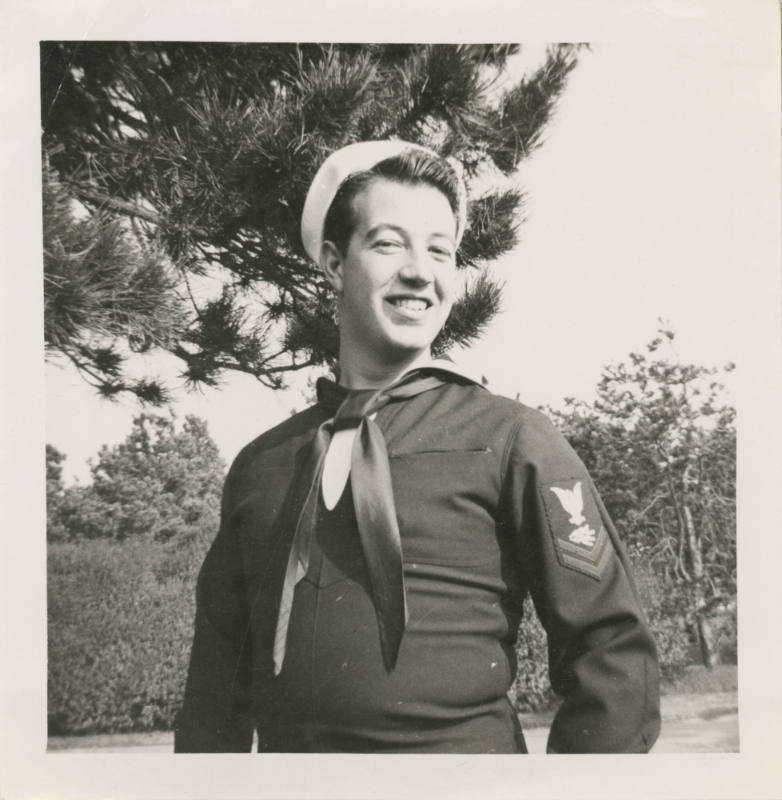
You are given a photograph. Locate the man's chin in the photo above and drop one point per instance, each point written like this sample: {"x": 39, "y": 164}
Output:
{"x": 394, "y": 346}
{"x": 411, "y": 337}
{"x": 404, "y": 351}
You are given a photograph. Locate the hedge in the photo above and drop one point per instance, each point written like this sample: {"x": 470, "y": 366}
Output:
{"x": 120, "y": 626}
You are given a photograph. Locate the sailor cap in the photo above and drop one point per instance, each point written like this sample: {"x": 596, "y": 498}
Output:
{"x": 347, "y": 161}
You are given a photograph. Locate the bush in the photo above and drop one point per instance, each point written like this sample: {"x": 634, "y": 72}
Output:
{"x": 120, "y": 622}
{"x": 531, "y": 691}
{"x": 667, "y": 622}
{"x": 677, "y": 642}
{"x": 697, "y": 679}
{"x": 725, "y": 630}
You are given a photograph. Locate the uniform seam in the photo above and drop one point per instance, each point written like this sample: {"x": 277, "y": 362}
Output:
{"x": 644, "y": 734}
{"x": 511, "y": 440}
{"x": 313, "y": 636}
{"x": 431, "y": 562}
{"x": 486, "y": 450}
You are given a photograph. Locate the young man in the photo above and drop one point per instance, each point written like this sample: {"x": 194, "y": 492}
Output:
{"x": 365, "y": 588}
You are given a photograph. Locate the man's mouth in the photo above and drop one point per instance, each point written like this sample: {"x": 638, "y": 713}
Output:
{"x": 410, "y": 303}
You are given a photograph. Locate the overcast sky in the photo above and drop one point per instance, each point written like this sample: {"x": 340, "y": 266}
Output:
{"x": 631, "y": 217}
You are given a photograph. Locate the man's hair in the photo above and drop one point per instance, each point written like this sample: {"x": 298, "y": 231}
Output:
{"x": 413, "y": 167}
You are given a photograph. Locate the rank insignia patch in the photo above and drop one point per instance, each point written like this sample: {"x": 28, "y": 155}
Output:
{"x": 580, "y": 538}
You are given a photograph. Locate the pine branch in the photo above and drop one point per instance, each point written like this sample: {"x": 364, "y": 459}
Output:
{"x": 470, "y": 314}
{"x": 109, "y": 384}
{"x": 494, "y": 225}
{"x": 527, "y": 108}
{"x": 203, "y": 152}
{"x": 114, "y": 203}
{"x": 440, "y": 83}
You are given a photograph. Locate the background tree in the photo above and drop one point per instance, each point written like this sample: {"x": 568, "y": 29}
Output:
{"x": 160, "y": 484}
{"x": 175, "y": 174}
{"x": 121, "y": 569}
{"x": 660, "y": 442}
{"x": 55, "y": 491}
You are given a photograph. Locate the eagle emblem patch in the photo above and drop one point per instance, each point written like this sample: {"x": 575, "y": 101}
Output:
{"x": 580, "y": 538}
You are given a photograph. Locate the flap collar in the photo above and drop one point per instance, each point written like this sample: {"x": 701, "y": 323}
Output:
{"x": 330, "y": 394}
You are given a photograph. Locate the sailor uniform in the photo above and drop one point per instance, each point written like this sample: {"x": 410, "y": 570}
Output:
{"x": 491, "y": 504}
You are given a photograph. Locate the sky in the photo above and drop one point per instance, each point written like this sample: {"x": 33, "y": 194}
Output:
{"x": 629, "y": 220}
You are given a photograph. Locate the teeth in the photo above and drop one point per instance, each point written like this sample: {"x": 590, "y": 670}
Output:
{"x": 410, "y": 303}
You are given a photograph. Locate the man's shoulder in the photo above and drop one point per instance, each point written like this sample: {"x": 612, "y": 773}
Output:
{"x": 279, "y": 441}
{"x": 535, "y": 439}
{"x": 527, "y": 428}
{"x": 469, "y": 414}
{"x": 500, "y": 406}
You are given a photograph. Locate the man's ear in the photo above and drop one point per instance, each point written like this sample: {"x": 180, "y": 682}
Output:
{"x": 331, "y": 264}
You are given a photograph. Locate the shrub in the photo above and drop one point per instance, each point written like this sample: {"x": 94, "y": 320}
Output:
{"x": 120, "y": 625}
{"x": 726, "y": 635}
{"x": 697, "y": 679}
{"x": 667, "y": 621}
{"x": 120, "y": 620}
{"x": 531, "y": 691}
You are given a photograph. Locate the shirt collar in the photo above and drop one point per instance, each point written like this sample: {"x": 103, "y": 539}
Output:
{"x": 446, "y": 365}
{"x": 331, "y": 394}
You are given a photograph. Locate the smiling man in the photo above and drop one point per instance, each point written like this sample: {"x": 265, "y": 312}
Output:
{"x": 395, "y": 278}
{"x": 364, "y": 591}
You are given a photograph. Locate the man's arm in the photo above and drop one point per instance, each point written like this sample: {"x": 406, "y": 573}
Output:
{"x": 216, "y": 714}
{"x": 602, "y": 658}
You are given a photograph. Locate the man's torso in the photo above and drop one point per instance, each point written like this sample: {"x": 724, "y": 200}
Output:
{"x": 446, "y": 452}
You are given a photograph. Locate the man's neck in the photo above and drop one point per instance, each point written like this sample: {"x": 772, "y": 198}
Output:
{"x": 357, "y": 373}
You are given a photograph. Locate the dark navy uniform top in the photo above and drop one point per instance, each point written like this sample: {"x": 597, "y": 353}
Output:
{"x": 492, "y": 504}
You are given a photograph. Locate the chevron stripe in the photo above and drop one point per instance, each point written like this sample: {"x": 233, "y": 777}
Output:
{"x": 592, "y": 567}
{"x": 592, "y": 554}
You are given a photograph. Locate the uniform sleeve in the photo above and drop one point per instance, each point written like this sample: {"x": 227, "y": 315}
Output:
{"x": 216, "y": 714}
{"x": 602, "y": 658}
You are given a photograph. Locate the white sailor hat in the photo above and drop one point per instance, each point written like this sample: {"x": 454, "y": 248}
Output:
{"x": 347, "y": 161}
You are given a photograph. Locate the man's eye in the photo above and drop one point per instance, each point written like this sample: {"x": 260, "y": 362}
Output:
{"x": 440, "y": 252}
{"x": 387, "y": 243}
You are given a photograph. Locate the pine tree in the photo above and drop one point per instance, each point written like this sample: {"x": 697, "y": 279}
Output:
{"x": 175, "y": 174}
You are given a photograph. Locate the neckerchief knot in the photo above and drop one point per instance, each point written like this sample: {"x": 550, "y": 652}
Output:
{"x": 358, "y": 404}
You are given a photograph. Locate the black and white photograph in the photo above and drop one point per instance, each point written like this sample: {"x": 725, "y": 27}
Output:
{"x": 395, "y": 393}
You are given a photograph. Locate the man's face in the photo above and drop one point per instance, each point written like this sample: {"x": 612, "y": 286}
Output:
{"x": 397, "y": 280}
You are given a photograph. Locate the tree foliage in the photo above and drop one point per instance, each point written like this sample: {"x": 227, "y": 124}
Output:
{"x": 188, "y": 164}
{"x": 160, "y": 484}
{"x": 55, "y": 492}
{"x": 101, "y": 284}
{"x": 123, "y": 555}
{"x": 660, "y": 442}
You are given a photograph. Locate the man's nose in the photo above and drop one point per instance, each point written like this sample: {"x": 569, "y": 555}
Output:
{"x": 415, "y": 269}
